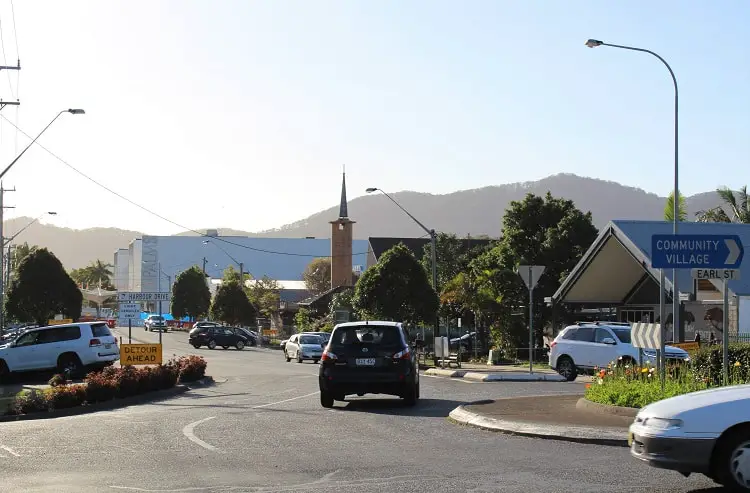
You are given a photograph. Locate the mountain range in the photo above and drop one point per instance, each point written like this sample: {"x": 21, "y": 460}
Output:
{"x": 466, "y": 212}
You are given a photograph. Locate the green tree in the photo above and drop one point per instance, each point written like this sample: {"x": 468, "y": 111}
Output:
{"x": 96, "y": 274}
{"x": 736, "y": 202}
{"x": 20, "y": 252}
{"x": 43, "y": 289}
{"x": 536, "y": 231}
{"x": 317, "y": 276}
{"x": 232, "y": 306}
{"x": 452, "y": 257}
{"x": 264, "y": 294}
{"x": 303, "y": 319}
{"x": 396, "y": 288}
{"x": 669, "y": 208}
{"x": 190, "y": 294}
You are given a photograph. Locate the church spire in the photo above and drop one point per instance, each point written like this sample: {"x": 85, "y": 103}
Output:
{"x": 343, "y": 210}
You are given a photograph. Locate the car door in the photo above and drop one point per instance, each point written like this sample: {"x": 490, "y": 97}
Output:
{"x": 579, "y": 346}
{"x": 229, "y": 338}
{"x": 292, "y": 347}
{"x": 24, "y": 355}
{"x": 602, "y": 354}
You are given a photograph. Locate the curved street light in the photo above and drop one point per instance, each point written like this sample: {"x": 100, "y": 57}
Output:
{"x": 240, "y": 264}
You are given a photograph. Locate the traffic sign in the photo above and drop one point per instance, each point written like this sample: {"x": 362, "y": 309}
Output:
{"x": 696, "y": 251}
{"x": 530, "y": 274}
{"x": 140, "y": 354}
{"x": 648, "y": 336}
{"x": 125, "y": 297}
{"x": 720, "y": 274}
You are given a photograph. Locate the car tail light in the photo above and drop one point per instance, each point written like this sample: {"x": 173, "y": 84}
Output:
{"x": 95, "y": 342}
{"x": 328, "y": 356}
{"x": 405, "y": 354}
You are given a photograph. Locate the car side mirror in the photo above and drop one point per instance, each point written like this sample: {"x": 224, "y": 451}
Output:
{"x": 609, "y": 340}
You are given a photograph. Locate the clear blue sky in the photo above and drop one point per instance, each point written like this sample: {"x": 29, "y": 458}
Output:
{"x": 240, "y": 113}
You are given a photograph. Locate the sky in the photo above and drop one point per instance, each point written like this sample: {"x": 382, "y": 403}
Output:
{"x": 242, "y": 113}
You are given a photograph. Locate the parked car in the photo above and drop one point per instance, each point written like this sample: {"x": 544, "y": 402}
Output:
{"x": 582, "y": 347}
{"x": 324, "y": 336}
{"x": 155, "y": 322}
{"x": 217, "y": 336}
{"x": 68, "y": 348}
{"x": 701, "y": 432}
{"x": 252, "y": 337}
{"x": 368, "y": 358}
{"x": 303, "y": 346}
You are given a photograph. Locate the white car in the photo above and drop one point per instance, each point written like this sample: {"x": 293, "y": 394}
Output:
{"x": 701, "y": 432}
{"x": 588, "y": 345}
{"x": 67, "y": 348}
{"x": 303, "y": 346}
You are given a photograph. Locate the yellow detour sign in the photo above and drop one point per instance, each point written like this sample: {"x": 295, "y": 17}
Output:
{"x": 140, "y": 354}
{"x": 60, "y": 322}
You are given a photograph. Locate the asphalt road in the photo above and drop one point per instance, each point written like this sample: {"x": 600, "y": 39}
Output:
{"x": 263, "y": 430}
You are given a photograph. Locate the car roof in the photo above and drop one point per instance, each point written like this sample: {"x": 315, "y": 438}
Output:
{"x": 370, "y": 322}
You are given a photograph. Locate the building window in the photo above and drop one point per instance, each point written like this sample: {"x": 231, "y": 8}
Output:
{"x": 637, "y": 315}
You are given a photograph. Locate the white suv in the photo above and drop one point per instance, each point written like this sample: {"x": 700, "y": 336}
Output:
{"x": 587, "y": 345}
{"x": 68, "y": 348}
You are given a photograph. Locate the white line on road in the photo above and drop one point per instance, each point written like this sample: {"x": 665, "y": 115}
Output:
{"x": 285, "y": 400}
{"x": 188, "y": 432}
{"x": 9, "y": 450}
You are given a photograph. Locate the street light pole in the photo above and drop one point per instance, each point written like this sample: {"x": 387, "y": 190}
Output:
{"x": 241, "y": 265}
{"x": 433, "y": 250}
{"x": 158, "y": 284}
{"x": 593, "y": 43}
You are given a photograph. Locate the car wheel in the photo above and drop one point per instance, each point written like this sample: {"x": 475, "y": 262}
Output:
{"x": 326, "y": 399}
{"x": 211, "y": 344}
{"x": 299, "y": 357}
{"x": 412, "y": 395}
{"x": 197, "y": 346}
{"x": 4, "y": 371}
{"x": 733, "y": 451}
{"x": 69, "y": 364}
{"x": 286, "y": 356}
{"x": 567, "y": 368}
{"x": 240, "y": 345}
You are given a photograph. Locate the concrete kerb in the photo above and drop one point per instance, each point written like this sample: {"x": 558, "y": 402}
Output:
{"x": 579, "y": 434}
{"x": 594, "y": 407}
{"x": 513, "y": 377}
{"x": 154, "y": 396}
{"x": 440, "y": 372}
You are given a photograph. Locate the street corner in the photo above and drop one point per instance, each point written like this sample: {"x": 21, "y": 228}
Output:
{"x": 440, "y": 372}
{"x": 555, "y": 417}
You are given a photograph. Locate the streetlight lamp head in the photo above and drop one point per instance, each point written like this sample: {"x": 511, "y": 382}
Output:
{"x": 76, "y": 111}
{"x": 371, "y": 189}
{"x": 593, "y": 43}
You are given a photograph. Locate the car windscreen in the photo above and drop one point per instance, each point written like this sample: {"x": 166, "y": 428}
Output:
{"x": 371, "y": 335}
{"x": 310, "y": 340}
{"x": 623, "y": 334}
{"x": 157, "y": 319}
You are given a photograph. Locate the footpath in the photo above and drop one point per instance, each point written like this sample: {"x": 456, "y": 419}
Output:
{"x": 557, "y": 417}
{"x": 496, "y": 373}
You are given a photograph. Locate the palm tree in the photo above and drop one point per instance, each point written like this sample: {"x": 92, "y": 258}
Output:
{"x": 99, "y": 271}
{"x": 669, "y": 208}
{"x": 736, "y": 202}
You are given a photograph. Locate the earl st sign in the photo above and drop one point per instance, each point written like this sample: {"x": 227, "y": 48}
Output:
{"x": 696, "y": 251}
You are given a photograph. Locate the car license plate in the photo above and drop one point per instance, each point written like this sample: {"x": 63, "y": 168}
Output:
{"x": 365, "y": 361}
{"x": 107, "y": 346}
{"x": 630, "y": 438}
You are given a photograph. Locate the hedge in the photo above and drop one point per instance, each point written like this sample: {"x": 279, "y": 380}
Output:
{"x": 708, "y": 361}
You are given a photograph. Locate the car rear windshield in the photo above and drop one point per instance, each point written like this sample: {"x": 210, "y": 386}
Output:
{"x": 310, "y": 340}
{"x": 375, "y": 335}
{"x": 623, "y": 334}
{"x": 100, "y": 330}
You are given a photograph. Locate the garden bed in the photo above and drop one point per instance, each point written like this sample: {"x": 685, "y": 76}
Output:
{"x": 108, "y": 385}
{"x": 637, "y": 386}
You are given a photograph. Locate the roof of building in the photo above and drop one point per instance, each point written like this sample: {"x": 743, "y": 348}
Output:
{"x": 322, "y": 300}
{"x": 623, "y": 244}
{"x": 380, "y": 245}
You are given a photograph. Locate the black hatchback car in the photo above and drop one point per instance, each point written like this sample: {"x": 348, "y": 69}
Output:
{"x": 368, "y": 358}
{"x": 217, "y": 336}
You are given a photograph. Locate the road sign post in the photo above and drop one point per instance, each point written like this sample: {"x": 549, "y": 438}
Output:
{"x": 530, "y": 275}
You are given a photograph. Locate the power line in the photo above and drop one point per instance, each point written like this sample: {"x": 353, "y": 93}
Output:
{"x": 170, "y": 221}
{"x": 15, "y": 33}
{"x": 5, "y": 60}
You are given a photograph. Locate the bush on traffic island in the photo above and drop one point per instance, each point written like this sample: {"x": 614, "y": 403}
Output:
{"x": 58, "y": 379}
{"x": 108, "y": 384}
{"x": 707, "y": 363}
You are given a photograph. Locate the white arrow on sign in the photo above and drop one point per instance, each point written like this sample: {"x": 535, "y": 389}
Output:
{"x": 734, "y": 251}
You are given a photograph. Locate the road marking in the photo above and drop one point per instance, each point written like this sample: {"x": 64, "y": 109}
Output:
{"x": 286, "y": 400}
{"x": 188, "y": 432}
{"x": 9, "y": 450}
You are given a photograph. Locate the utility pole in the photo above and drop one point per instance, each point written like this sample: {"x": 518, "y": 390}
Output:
{"x": 204, "y": 266}
{"x": 2, "y": 254}
{"x": 242, "y": 279}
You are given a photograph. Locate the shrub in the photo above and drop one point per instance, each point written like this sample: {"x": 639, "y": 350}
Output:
{"x": 167, "y": 375}
{"x": 100, "y": 387}
{"x": 66, "y": 396}
{"x": 191, "y": 368}
{"x": 58, "y": 379}
{"x": 708, "y": 362}
{"x": 32, "y": 401}
{"x": 127, "y": 382}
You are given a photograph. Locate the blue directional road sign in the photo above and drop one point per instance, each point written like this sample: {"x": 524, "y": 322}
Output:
{"x": 696, "y": 251}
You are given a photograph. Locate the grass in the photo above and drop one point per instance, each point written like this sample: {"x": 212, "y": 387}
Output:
{"x": 634, "y": 386}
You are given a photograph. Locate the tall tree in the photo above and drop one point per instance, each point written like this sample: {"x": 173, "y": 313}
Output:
{"x": 452, "y": 257}
{"x": 265, "y": 295}
{"x": 536, "y": 231}
{"x": 317, "y": 276}
{"x": 43, "y": 289}
{"x": 96, "y": 274}
{"x": 396, "y": 288}
{"x": 669, "y": 208}
{"x": 736, "y": 202}
{"x": 232, "y": 306}
{"x": 190, "y": 294}
{"x": 20, "y": 252}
